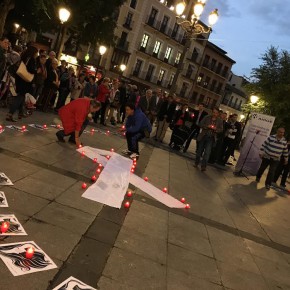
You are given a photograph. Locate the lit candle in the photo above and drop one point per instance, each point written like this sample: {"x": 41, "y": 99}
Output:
{"x": 80, "y": 146}
{"x": 187, "y": 206}
{"x": 29, "y": 253}
{"x": 165, "y": 189}
{"x": 95, "y": 160}
{"x": 4, "y": 227}
{"x": 58, "y": 126}
{"x": 127, "y": 204}
{"x": 93, "y": 130}
{"x": 182, "y": 200}
{"x": 84, "y": 185}
{"x": 133, "y": 166}
{"x": 108, "y": 157}
{"x": 123, "y": 127}
{"x": 23, "y": 127}
{"x": 129, "y": 193}
{"x": 146, "y": 178}
{"x": 44, "y": 126}
{"x": 83, "y": 153}
{"x": 112, "y": 150}
{"x": 108, "y": 132}
{"x": 100, "y": 165}
{"x": 98, "y": 170}
{"x": 94, "y": 178}
{"x": 132, "y": 170}
{"x": 1, "y": 127}
{"x": 192, "y": 115}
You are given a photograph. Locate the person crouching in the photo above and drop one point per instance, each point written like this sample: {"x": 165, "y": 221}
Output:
{"x": 74, "y": 118}
{"x": 137, "y": 127}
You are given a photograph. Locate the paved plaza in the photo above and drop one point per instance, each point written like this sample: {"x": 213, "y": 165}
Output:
{"x": 236, "y": 235}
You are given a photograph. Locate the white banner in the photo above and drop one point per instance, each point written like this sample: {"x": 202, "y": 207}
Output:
{"x": 259, "y": 129}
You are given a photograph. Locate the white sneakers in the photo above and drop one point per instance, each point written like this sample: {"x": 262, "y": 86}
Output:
{"x": 134, "y": 155}
{"x": 126, "y": 152}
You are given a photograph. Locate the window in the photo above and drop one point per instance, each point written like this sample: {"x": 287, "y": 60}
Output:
{"x": 150, "y": 71}
{"x": 194, "y": 97}
{"x": 156, "y": 48}
{"x": 189, "y": 71}
{"x": 240, "y": 105}
{"x": 235, "y": 103}
{"x": 152, "y": 16}
{"x": 231, "y": 101}
{"x": 137, "y": 68}
{"x": 175, "y": 30}
{"x": 194, "y": 55}
{"x": 206, "y": 82}
{"x": 183, "y": 90}
{"x": 219, "y": 68}
{"x": 160, "y": 76}
{"x": 178, "y": 56}
{"x": 213, "y": 85}
{"x": 133, "y": 4}
{"x": 144, "y": 42}
{"x": 201, "y": 99}
{"x": 206, "y": 60}
{"x": 225, "y": 71}
{"x": 164, "y": 23}
{"x": 200, "y": 77}
{"x": 213, "y": 104}
{"x": 168, "y": 53}
{"x": 128, "y": 20}
{"x": 123, "y": 39}
{"x": 207, "y": 101}
{"x": 171, "y": 80}
{"x": 219, "y": 88}
{"x": 213, "y": 64}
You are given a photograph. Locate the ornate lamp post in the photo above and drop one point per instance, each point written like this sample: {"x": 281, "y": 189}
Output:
{"x": 192, "y": 27}
{"x": 102, "y": 51}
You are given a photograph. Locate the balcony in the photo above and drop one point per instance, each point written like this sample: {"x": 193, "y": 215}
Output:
{"x": 122, "y": 44}
{"x": 128, "y": 23}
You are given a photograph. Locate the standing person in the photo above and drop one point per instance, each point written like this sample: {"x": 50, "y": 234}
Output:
{"x": 165, "y": 117}
{"x": 74, "y": 118}
{"x": 133, "y": 94}
{"x": 114, "y": 102}
{"x": 147, "y": 104}
{"x": 51, "y": 84}
{"x": 137, "y": 127}
{"x": 274, "y": 147}
{"x": 232, "y": 136}
{"x": 157, "y": 100}
{"x": 40, "y": 76}
{"x": 78, "y": 87}
{"x": 103, "y": 98}
{"x": 198, "y": 116}
{"x": 91, "y": 88}
{"x": 123, "y": 100}
{"x": 22, "y": 87}
{"x": 4, "y": 45}
{"x": 66, "y": 83}
{"x": 210, "y": 125}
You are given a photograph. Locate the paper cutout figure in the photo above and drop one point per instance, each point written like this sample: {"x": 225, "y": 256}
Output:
{"x": 37, "y": 126}
{"x": 3, "y": 200}
{"x": 73, "y": 284}
{"x": 14, "y": 257}
{"x": 17, "y": 128}
{"x": 109, "y": 188}
{"x": 4, "y": 180}
{"x": 15, "y": 227}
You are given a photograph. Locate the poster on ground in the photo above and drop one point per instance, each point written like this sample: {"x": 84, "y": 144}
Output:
{"x": 259, "y": 129}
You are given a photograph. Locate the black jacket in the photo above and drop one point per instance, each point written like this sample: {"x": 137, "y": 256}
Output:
{"x": 195, "y": 117}
{"x": 167, "y": 110}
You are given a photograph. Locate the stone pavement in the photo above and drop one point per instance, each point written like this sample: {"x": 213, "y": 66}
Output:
{"x": 235, "y": 235}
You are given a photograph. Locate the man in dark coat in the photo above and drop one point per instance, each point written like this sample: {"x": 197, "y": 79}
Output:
{"x": 4, "y": 44}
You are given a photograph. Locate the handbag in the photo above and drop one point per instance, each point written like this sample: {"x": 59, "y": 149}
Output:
{"x": 23, "y": 73}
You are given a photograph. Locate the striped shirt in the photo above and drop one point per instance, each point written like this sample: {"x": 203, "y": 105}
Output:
{"x": 274, "y": 148}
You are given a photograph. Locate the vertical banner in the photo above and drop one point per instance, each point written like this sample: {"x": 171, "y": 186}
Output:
{"x": 259, "y": 129}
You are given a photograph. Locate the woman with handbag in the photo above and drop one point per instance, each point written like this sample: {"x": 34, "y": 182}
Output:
{"x": 23, "y": 79}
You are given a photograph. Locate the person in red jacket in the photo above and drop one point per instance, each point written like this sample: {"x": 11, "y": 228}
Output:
{"x": 74, "y": 118}
{"x": 103, "y": 98}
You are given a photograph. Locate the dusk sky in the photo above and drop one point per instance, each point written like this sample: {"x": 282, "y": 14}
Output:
{"x": 246, "y": 29}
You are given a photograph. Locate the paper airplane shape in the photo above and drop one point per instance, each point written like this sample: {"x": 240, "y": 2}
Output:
{"x": 113, "y": 182}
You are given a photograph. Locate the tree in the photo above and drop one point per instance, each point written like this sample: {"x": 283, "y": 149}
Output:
{"x": 5, "y": 7}
{"x": 271, "y": 82}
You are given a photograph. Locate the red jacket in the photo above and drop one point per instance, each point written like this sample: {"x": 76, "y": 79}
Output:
{"x": 74, "y": 114}
{"x": 103, "y": 93}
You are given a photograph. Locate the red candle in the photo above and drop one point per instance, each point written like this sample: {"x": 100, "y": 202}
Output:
{"x": 29, "y": 253}
{"x": 94, "y": 178}
{"x": 165, "y": 189}
{"x": 127, "y": 204}
{"x": 100, "y": 165}
{"x": 57, "y": 126}
{"x": 124, "y": 134}
{"x": 84, "y": 185}
{"x": 112, "y": 150}
{"x": 108, "y": 132}
{"x": 133, "y": 166}
{"x": 98, "y": 170}
{"x": 134, "y": 160}
{"x": 80, "y": 146}
{"x": 95, "y": 160}
{"x": 108, "y": 157}
{"x": 123, "y": 127}
{"x": 83, "y": 153}
{"x": 146, "y": 178}
{"x": 44, "y": 126}
{"x": 93, "y": 130}
{"x": 23, "y": 127}
{"x": 182, "y": 200}
{"x": 187, "y": 206}
{"x": 129, "y": 193}
{"x": 132, "y": 170}
{"x": 4, "y": 227}
{"x": 192, "y": 115}
{"x": 1, "y": 127}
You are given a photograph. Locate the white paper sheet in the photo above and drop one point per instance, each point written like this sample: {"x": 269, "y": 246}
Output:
{"x": 73, "y": 284}
{"x": 4, "y": 180}
{"x": 16, "y": 128}
{"x": 15, "y": 227}
{"x": 3, "y": 200}
{"x": 156, "y": 193}
{"x": 13, "y": 255}
{"x": 37, "y": 126}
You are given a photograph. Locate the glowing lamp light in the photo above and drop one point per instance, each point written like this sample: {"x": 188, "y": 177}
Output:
{"x": 102, "y": 50}
{"x": 29, "y": 253}
{"x": 127, "y": 204}
{"x": 84, "y": 185}
{"x": 213, "y": 17}
{"x": 198, "y": 9}
{"x": 4, "y": 227}
{"x": 180, "y": 7}
{"x": 93, "y": 178}
{"x": 254, "y": 99}
{"x": 182, "y": 200}
{"x": 129, "y": 193}
{"x": 98, "y": 170}
{"x": 187, "y": 206}
{"x": 164, "y": 190}
{"x": 146, "y": 178}
{"x": 95, "y": 160}
{"x": 123, "y": 67}
{"x": 63, "y": 15}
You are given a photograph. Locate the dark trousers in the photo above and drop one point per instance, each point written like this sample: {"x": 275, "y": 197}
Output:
{"x": 101, "y": 112}
{"x": 133, "y": 139}
{"x": 61, "y": 133}
{"x": 194, "y": 133}
{"x": 45, "y": 100}
{"x": 228, "y": 149}
{"x": 217, "y": 150}
{"x": 204, "y": 150}
{"x": 17, "y": 104}
{"x": 123, "y": 112}
{"x": 63, "y": 93}
{"x": 284, "y": 170}
{"x": 272, "y": 169}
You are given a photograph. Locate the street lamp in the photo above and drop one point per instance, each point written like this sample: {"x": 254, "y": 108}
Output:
{"x": 192, "y": 27}
{"x": 102, "y": 51}
{"x": 63, "y": 15}
{"x": 16, "y": 25}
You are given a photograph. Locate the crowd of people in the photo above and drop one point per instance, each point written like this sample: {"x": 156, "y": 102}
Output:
{"x": 113, "y": 101}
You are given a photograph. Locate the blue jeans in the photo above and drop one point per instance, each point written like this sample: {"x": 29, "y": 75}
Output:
{"x": 204, "y": 150}
{"x": 133, "y": 139}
